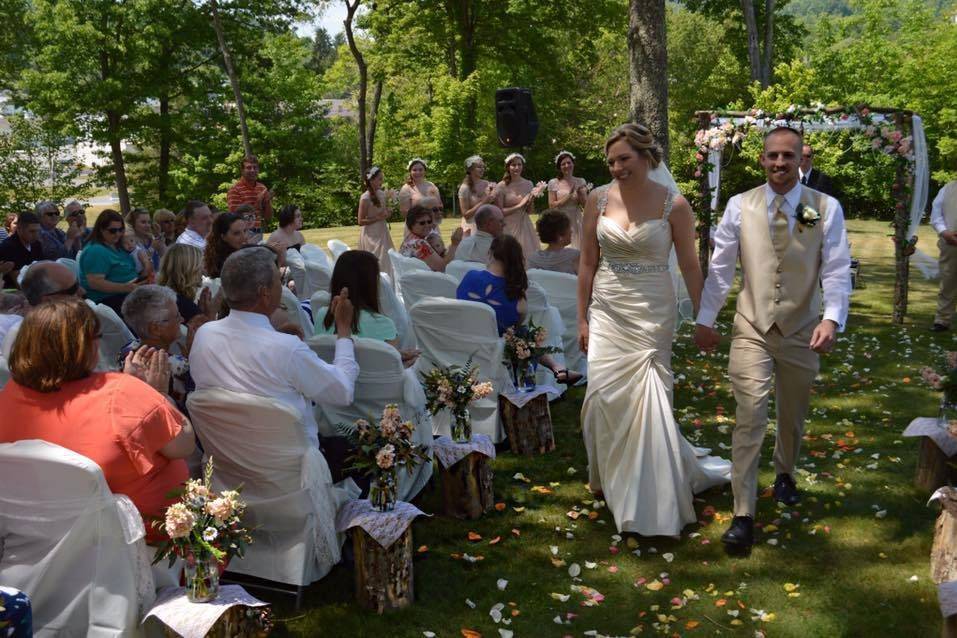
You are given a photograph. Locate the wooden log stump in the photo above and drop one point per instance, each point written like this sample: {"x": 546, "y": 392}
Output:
{"x": 943, "y": 553}
{"x": 467, "y": 487}
{"x": 934, "y": 468}
{"x": 529, "y": 428}
{"x": 383, "y": 576}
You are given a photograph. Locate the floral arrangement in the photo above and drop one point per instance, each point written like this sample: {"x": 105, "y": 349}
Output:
{"x": 807, "y": 215}
{"x": 524, "y": 348}
{"x": 945, "y": 381}
{"x": 454, "y": 388}
{"x": 381, "y": 449}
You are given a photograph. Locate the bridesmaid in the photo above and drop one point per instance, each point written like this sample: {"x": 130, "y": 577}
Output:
{"x": 417, "y": 187}
{"x": 567, "y": 193}
{"x": 374, "y": 234}
{"x": 516, "y": 195}
{"x": 474, "y": 192}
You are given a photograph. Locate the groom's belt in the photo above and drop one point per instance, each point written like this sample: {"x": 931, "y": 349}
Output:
{"x": 632, "y": 267}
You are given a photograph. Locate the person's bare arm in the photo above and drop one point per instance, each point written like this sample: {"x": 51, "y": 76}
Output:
{"x": 682, "y": 230}
{"x": 182, "y": 444}
{"x": 99, "y": 283}
{"x": 587, "y": 266}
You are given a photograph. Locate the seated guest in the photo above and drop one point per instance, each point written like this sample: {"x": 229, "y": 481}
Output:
{"x": 117, "y": 420}
{"x": 489, "y": 224}
{"x": 141, "y": 257}
{"x": 226, "y": 237}
{"x": 555, "y": 229}
{"x": 153, "y": 245}
{"x": 107, "y": 272}
{"x": 244, "y": 353}
{"x": 76, "y": 216}
{"x": 358, "y": 272}
{"x": 44, "y": 280}
{"x": 55, "y": 242}
{"x": 419, "y": 224}
{"x": 151, "y": 312}
{"x": 253, "y": 233}
{"x": 20, "y": 249}
{"x": 198, "y": 219}
{"x": 502, "y": 286}
{"x": 181, "y": 270}
{"x": 290, "y": 221}
{"x": 9, "y": 225}
{"x": 165, "y": 223}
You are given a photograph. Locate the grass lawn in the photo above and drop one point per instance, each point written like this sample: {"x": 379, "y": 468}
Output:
{"x": 850, "y": 560}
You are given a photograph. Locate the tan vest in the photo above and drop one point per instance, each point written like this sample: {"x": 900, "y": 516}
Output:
{"x": 785, "y": 291}
{"x": 950, "y": 205}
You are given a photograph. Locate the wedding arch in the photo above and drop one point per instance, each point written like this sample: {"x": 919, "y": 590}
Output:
{"x": 898, "y": 133}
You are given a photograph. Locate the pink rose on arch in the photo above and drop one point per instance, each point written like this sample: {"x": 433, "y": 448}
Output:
{"x": 697, "y": 173}
{"x": 865, "y": 111}
{"x": 699, "y": 157}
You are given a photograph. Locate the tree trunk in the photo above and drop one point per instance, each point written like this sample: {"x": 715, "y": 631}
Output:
{"x": 754, "y": 52}
{"x": 529, "y": 428}
{"x": 119, "y": 166}
{"x": 467, "y": 487}
{"x": 706, "y": 214}
{"x": 374, "y": 119}
{"x": 164, "y": 150}
{"x": 766, "y": 64}
{"x": 902, "y": 245}
{"x": 351, "y": 8}
{"x": 231, "y": 72}
{"x": 647, "y": 47}
{"x": 383, "y": 576}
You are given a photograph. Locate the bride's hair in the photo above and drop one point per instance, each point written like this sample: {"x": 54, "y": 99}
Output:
{"x": 507, "y": 250}
{"x": 639, "y": 138}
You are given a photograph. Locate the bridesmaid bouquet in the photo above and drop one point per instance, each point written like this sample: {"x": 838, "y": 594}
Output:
{"x": 524, "y": 348}
{"x": 538, "y": 189}
{"x": 454, "y": 388}
{"x": 380, "y": 450}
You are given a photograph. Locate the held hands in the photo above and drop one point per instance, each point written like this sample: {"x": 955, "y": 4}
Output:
{"x": 706, "y": 337}
{"x": 822, "y": 340}
{"x": 342, "y": 313}
{"x": 150, "y": 365}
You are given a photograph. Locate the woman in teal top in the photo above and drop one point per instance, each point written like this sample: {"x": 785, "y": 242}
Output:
{"x": 107, "y": 272}
{"x": 358, "y": 272}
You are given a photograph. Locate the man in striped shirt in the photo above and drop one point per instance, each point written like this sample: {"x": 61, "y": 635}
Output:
{"x": 249, "y": 191}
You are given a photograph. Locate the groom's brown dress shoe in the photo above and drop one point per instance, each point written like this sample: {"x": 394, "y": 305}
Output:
{"x": 785, "y": 490}
{"x": 740, "y": 536}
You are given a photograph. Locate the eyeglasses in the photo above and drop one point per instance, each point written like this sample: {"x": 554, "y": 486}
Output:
{"x": 424, "y": 222}
{"x": 52, "y": 213}
{"x": 114, "y": 230}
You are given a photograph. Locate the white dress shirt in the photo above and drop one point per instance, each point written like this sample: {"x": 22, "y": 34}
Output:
{"x": 835, "y": 267}
{"x": 244, "y": 353}
{"x": 191, "y": 238}
{"x": 937, "y": 208}
{"x": 474, "y": 247}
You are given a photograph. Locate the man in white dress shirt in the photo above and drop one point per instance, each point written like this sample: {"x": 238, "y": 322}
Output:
{"x": 244, "y": 353}
{"x": 489, "y": 224}
{"x": 943, "y": 217}
{"x": 792, "y": 243}
{"x": 199, "y": 219}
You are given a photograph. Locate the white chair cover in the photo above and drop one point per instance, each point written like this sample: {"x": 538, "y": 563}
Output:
{"x": 543, "y": 314}
{"x": 562, "y": 291}
{"x": 71, "y": 264}
{"x": 4, "y": 371}
{"x": 402, "y": 265}
{"x": 449, "y": 331}
{"x": 75, "y": 548}
{"x": 261, "y": 444}
{"x": 318, "y": 302}
{"x": 391, "y": 306}
{"x": 337, "y": 247}
{"x": 115, "y": 336}
{"x": 420, "y": 284}
{"x": 290, "y": 303}
{"x": 318, "y": 277}
{"x": 382, "y": 380}
{"x": 311, "y": 252}
{"x": 457, "y": 268}
{"x": 297, "y": 271}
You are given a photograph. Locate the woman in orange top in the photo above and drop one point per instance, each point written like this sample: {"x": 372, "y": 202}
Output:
{"x": 117, "y": 420}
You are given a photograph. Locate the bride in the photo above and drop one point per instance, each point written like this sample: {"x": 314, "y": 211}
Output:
{"x": 637, "y": 457}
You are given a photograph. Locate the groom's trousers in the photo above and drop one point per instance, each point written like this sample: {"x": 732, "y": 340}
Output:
{"x": 756, "y": 362}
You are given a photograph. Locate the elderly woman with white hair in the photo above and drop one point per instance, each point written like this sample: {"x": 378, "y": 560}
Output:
{"x": 516, "y": 195}
{"x": 474, "y": 192}
{"x": 152, "y": 314}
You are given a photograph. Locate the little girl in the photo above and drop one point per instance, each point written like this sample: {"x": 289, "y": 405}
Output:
{"x": 144, "y": 265}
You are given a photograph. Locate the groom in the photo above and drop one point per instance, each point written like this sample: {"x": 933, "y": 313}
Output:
{"x": 792, "y": 243}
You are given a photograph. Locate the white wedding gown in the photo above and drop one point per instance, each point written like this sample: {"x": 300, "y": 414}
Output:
{"x": 636, "y": 454}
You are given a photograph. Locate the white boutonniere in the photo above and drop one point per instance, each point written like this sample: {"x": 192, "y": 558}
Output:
{"x": 806, "y": 215}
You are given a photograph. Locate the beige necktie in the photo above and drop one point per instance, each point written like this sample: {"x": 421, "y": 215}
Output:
{"x": 779, "y": 226}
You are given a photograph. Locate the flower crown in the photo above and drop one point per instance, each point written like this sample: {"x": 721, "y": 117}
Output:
{"x": 471, "y": 161}
{"x": 562, "y": 153}
{"x": 372, "y": 171}
{"x": 513, "y": 156}
{"x": 415, "y": 160}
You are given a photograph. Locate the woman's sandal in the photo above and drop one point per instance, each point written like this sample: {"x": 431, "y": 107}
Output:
{"x": 566, "y": 377}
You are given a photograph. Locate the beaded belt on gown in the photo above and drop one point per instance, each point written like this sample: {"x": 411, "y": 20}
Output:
{"x": 632, "y": 267}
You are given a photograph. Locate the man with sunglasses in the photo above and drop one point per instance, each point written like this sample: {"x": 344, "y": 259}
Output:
{"x": 55, "y": 242}
{"x": 21, "y": 248}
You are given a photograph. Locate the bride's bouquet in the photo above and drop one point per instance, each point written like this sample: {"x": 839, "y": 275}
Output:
{"x": 525, "y": 345}
{"x": 454, "y": 388}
